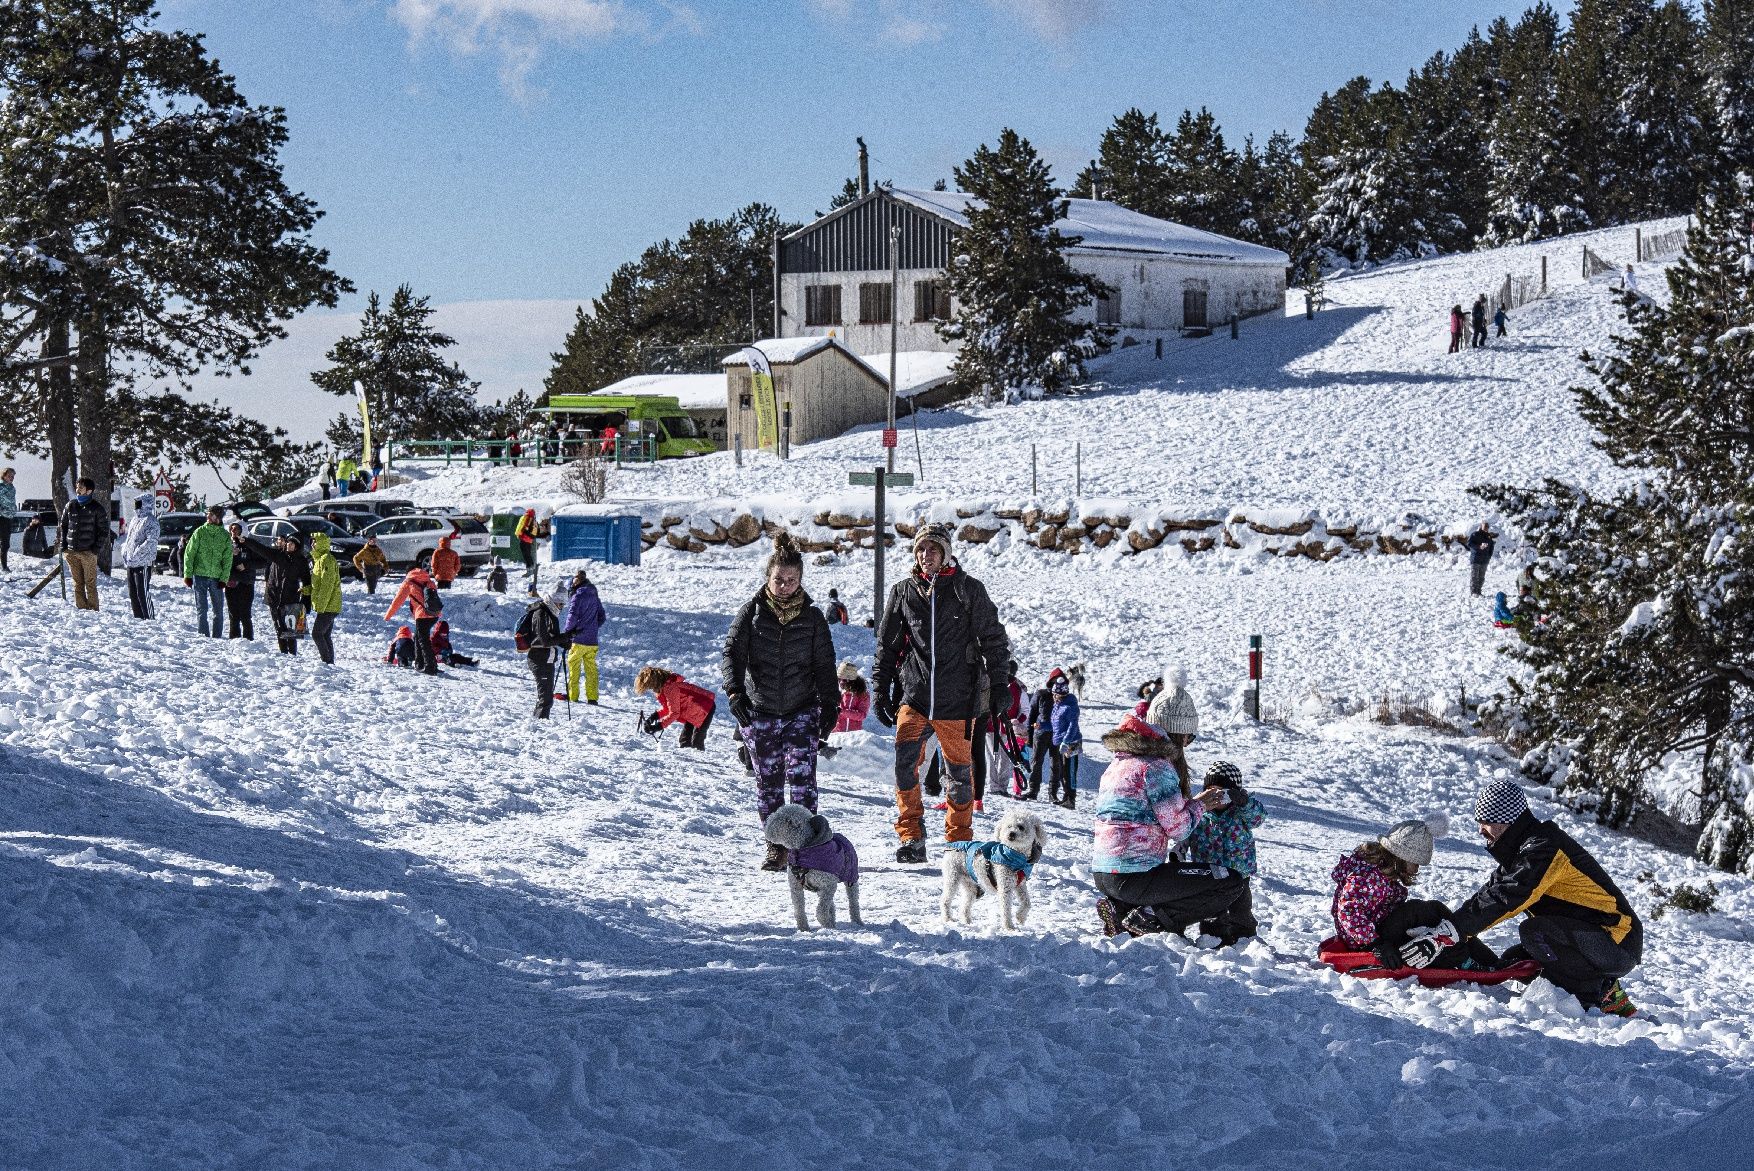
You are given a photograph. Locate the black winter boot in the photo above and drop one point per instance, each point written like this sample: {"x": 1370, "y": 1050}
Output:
{"x": 912, "y": 852}
{"x": 776, "y": 857}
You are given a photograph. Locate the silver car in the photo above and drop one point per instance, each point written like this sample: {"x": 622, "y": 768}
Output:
{"x": 411, "y": 540}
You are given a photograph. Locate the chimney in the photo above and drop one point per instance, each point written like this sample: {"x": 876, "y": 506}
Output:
{"x": 864, "y": 168}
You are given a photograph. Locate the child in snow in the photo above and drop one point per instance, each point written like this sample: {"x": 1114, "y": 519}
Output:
{"x": 1503, "y": 616}
{"x": 1498, "y": 319}
{"x": 1068, "y": 741}
{"x": 1224, "y": 837}
{"x": 1456, "y": 320}
{"x": 441, "y": 646}
{"x": 401, "y": 650}
{"x": 1371, "y": 909}
{"x": 855, "y": 698}
{"x": 679, "y": 702}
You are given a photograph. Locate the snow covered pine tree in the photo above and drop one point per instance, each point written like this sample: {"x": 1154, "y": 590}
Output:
{"x": 1650, "y": 592}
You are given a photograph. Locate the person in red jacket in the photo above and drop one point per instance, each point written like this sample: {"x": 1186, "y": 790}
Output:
{"x": 679, "y": 702}
{"x": 421, "y": 594}
{"x": 855, "y": 699}
{"x": 446, "y": 565}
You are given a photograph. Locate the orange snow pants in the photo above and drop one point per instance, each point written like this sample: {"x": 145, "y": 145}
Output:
{"x": 911, "y": 728}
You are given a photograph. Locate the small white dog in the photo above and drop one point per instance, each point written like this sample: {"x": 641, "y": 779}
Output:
{"x": 817, "y": 860}
{"x": 1000, "y": 867}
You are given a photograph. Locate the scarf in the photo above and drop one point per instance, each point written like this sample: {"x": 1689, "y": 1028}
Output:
{"x": 785, "y": 609}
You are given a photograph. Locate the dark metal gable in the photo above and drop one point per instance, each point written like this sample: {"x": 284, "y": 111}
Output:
{"x": 855, "y": 238}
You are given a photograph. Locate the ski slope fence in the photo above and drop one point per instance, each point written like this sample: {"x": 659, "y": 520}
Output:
{"x": 1595, "y": 266}
{"x": 1518, "y": 291}
{"x": 1662, "y": 244}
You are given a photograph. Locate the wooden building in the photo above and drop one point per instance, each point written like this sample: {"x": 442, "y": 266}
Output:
{"x": 831, "y": 390}
{"x": 833, "y": 275}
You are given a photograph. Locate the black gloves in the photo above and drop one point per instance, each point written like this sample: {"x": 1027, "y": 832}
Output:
{"x": 653, "y": 725}
{"x": 825, "y": 727}
{"x": 885, "y": 709}
{"x": 999, "y": 700}
{"x": 739, "y": 705}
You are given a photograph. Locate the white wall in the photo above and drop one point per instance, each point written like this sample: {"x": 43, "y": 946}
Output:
{"x": 1150, "y": 288}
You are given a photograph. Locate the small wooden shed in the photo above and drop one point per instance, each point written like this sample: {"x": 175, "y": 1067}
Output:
{"x": 830, "y": 389}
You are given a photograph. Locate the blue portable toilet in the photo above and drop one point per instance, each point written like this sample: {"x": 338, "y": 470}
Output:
{"x": 614, "y": 539}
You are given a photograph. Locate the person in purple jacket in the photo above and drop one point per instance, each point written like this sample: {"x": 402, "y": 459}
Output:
{"x": 580, "y": 622}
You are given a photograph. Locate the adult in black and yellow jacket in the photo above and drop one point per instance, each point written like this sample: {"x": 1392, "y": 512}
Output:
{"x": 1578, "y": 926}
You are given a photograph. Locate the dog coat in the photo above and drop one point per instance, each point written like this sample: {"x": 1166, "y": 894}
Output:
{"x": 992, "y": 852}
{"x": 836, "y": 856}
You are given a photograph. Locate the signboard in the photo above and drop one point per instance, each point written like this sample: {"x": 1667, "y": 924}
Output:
{"x": 889, "y": 437}
{"x": 164, "y": 497}
{"x": 891, "y": 479}
{"x": 767, "y": 422}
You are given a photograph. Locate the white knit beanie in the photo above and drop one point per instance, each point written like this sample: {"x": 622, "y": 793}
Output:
{"x": 1173, "y": 710}
{"x": 1411, "y": 840}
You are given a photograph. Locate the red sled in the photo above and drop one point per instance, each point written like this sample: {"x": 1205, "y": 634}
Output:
{"x": 1366, "y": 966}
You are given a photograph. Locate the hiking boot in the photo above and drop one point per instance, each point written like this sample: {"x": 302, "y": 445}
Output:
{"x": 776, "y": 857}
{"x": 1615, "y": 1002}
{"x": 1140, "y": 921}
{"x": 913, "y": 852}
{"x": 1111, "y": 919}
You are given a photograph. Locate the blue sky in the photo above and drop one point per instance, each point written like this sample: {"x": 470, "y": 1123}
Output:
{"x": 506, "y": 149}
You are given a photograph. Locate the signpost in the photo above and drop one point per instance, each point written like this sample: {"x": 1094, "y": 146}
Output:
{"x": 1253, "y": 699}
{"x": 878, "y": 479}
{"x": 164, "y": 497}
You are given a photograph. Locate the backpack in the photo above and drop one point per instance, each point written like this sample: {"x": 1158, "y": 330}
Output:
{"x": 544, "y": 629}
{"x": 840, "y": 613}
{"x": 431, "y": 601}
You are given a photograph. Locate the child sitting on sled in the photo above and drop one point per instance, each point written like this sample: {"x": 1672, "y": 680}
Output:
{"x": 1371, "y": 909}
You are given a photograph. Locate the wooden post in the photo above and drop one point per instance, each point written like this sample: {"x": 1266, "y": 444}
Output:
{"x": 1032, "y": 488}
{"x": 1078, "y": 455}
{"x": 1254, "y": 685}
{"x": 737, "y": 447}
{"x": 880, "y": 550}
{"x": 1638, "y": 244}
{"x": 1159, "y": 349}
{"x": 1543, "y": 274}
{"x": 1233, "y": 327}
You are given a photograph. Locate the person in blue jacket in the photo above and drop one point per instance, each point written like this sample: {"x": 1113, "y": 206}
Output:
{"x": 584, "y": 616}
{"x": 1502, "y": 614}
{"x": 1068, "y": 741}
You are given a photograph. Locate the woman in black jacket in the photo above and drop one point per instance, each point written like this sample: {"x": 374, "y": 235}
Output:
{"x": 240, "y": 590}
{"x": 780, "y": 684}
{"x": 284, "y": 586}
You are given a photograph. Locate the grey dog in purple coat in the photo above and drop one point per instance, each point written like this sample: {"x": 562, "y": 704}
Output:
{"x": 817, "y": 860}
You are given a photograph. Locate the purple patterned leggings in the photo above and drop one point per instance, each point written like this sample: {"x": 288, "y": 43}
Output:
{"x": 783, "y": 750}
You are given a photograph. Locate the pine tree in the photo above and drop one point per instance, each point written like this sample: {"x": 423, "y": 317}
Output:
{"x": 1651, "y": 589}
{"x": 1727, "y": 52}
{"x": 1446, "y": 152}
{"x": 1014, "y": 291}
{"x": 413, "y": 392}
{"x": 1597, "y": 63}
{"x": 1661, "y": 103}
{"x": 1368, "y": 208}
{"x": 1276, "y": 200}
{"x": 146, "y": 231}
{"x": 1133, "y": 164}
{"x": 1202, "y": 183}
{"x": 1532, "y": 194}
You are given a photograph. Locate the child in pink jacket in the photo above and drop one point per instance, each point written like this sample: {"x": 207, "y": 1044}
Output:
{"x": 855, "y": 699}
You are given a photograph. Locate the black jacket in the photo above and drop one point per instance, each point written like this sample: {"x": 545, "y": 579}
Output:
{"x": 1542, "y": 871}
{"x": 1041, "y": 714}
{"x": 941, "y": 645}
{"x": 85, "y": 528}
{"x": 781, "y": 669}
{"x": 245, "y": 564}
{"x": 1480, "y": 546}
{"x": 288, "y": 573}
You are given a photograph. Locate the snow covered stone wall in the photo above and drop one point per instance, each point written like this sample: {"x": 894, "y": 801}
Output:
{"x": 843, "y": 522}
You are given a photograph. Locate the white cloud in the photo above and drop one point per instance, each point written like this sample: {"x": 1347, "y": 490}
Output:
{"x": 1054, "y": 20}
{"x": 518, "y": 32}
{"x": 908, "y": 22}
{"x": 911, "y": 30}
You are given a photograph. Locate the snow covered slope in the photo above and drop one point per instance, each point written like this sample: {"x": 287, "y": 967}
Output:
{"x": 1360, "y": 412}
{"x": 262, "y": 913}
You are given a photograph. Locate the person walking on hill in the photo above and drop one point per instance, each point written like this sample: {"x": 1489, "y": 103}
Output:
{"x": 1038, "y": 734}
{"x": 1455, "y": 328}
{"x": 1068, "y": 741}
{"x": 325, "y": 597}
{"x": 1498, "y": 320}
{"x": 446, "y": 565}
{"x": 526, "y": 535}
{"x": 284, "y": 586}
{"x": 834, "y": 610}
{"x": 939, "y": 645}
{"x": 327, "y": 480}
{"x": 538, "y": 636}
{"x": 1480, "y": 546}
{"x": 1479, "y": 316}
{"x": 240, "y": 588}
{"x": 778, "y": 674}
{"x": 82, "y": 537}
{"x": 1578, "y": 925}
{"x": 206, "y": 568}
{"x": 581, "y": 623}
{"x": 421, "y": 594}
{"x": 371, "y": 563}
{"x": 346, "y": 472}
{"x": 8, "y": 506}
{"x": 139, "y": 553}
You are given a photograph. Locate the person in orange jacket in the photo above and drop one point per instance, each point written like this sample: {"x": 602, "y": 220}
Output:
{"x": 679, "y": 702}
{"x": 446, "y": 565}
{"x": 421, "y": 594}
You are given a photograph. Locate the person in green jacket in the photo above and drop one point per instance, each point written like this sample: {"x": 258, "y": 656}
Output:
{"x": 346, "y": 472}
{"x": 207, "y": 567}
{"x": 325, "y": 596}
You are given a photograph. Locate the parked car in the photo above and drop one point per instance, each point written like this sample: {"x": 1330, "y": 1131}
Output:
{"x": 343, "y": 543}
{"x": 247, "y": 509}
{"x": 410, "y": 540}
{"x": 373, "y": 506}
{"x": 173, "y": 527}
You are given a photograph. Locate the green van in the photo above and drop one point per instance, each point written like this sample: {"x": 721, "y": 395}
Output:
{"x": 658, "y": 417}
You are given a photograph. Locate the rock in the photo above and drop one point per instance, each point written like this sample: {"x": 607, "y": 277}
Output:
{"x": 696, "y": 545}
{"x": 1296, "y": 530}
{"x": 905, "y": 529}
{"x": 1141, "y": 541}
{"x": 1057, "y": 516}
{"x": 744, "y": 530}
{"x": 1048, "y": 538}
{"x": 678, "y": 539}
{"x": 813, "y": 545}
{"x": 669, "y": 522}
{"x": 840, "y": 520}
{"x": 1114, "y": 522}
{"x": 1201, "y": 544}
{"x": 1031, "y": 518}
{"x": 965, "y": 513}
{"x": 1344, "y": 532}
{"x": 1186, "y": 524}
{"x": 1388, "y": 543}
{"x": 772, "y": 528}
{"x": 1008, "y": 513}
{"x": 861, "y": 537}
{"x": 975, "y": 535}
{"x": 1103, "y": 537}
{"x": 1072, "y": 539}
{"x": 713, "y": 536}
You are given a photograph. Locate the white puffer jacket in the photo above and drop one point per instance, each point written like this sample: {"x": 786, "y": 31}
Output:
{"x": 140, "y": 542}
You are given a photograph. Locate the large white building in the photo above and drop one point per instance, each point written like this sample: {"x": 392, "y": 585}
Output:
{"x": 833, "y": 274}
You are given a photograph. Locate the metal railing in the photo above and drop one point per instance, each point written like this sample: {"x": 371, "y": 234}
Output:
{"x": 532, "y": 453}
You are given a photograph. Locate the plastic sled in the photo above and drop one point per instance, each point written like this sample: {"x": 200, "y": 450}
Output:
{"x": 1366, "y": 966}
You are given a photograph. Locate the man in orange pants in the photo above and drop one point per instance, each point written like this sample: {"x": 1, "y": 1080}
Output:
{"x": 941, "y": 654}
